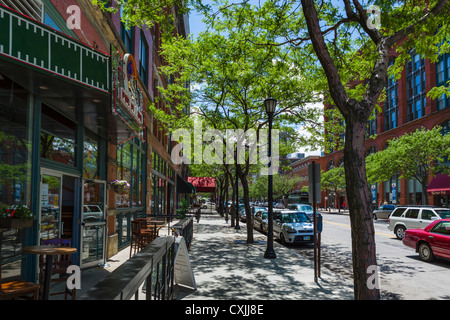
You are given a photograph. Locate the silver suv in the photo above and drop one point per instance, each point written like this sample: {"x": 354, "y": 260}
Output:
{"x": 414, "y": 217}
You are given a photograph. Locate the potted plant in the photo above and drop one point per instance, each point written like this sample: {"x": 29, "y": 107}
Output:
{"x": 119, "y": 185}
{"x": 15, "y": 217}
{"x": 184, "y": 209}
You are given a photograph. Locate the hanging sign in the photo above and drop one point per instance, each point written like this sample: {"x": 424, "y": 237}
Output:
{"x": 128, "y": 100}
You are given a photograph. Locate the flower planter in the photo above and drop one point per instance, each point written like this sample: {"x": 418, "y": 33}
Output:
{"x": 118, "y": 189}
{"x": 12, "y": 223}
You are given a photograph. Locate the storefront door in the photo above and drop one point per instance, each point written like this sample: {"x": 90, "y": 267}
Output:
{"x": 93, "y": 225}
{"x": 59, "y": 194}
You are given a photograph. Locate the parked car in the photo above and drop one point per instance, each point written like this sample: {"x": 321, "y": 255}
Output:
{"x": 278, "y": 205}
{"x": 431, "y": 242}
{"x": 92, "y": 213}
{"x": 414, "y": 217}
{"x": 258, "y": 208}
{"x": 260, "y": 220}
{"x": 306, "y": 208}
{"x": 292, "y": 227}
{"x": 383, "y": 212}
{"x": 209, "y": 205}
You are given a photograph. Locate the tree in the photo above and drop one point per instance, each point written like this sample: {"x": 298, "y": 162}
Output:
{"x": 284, "y": 185}
{"x": 409, "y": 21}
{"x": 415, "y": 155}
{"x": 232, "y": 77}
{"x": 334, "y": 179}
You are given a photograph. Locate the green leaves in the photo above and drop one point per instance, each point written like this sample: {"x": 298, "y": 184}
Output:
{"x": 415, "y": 155}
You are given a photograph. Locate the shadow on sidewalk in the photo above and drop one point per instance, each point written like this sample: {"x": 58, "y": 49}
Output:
{"x": 228, "y": 269}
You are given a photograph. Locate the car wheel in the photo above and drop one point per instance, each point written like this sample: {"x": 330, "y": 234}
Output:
{"x": 400, "y": 232}
{"x": 425, "y": 252}
{"x": 375, "y": 217}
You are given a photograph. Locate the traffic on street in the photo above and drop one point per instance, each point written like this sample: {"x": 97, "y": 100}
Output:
{"x": 403, "y": 275}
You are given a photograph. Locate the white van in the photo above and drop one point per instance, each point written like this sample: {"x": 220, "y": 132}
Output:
{"x": 414, "y": 217}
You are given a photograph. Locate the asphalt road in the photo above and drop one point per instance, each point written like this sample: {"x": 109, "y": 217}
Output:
{"x": 402, "y": 275}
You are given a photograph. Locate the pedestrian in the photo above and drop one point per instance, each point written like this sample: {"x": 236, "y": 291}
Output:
{"x": 197, "y": 215}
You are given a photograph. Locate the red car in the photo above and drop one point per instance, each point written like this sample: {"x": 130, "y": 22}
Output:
{"x": 431, "y": 242}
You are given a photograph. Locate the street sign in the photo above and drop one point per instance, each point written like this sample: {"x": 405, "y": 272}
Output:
{"x": 314, "y": 182}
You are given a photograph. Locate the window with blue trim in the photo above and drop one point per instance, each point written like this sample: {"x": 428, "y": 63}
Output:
{"x": 126, "y": 35}
{"x": 415, "y": 87}
{"x": 442, "y": 77}
{"x": 391, "y": 103}
{"x": 143, "y": 59}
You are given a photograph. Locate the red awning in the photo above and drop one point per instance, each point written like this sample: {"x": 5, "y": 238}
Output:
{"x": 203, "y": 184}
{"x": 440, "y": 185}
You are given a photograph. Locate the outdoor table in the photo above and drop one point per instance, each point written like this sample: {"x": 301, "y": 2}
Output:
{"x": 49, "y": 252}
{"x": 156, "y": 225}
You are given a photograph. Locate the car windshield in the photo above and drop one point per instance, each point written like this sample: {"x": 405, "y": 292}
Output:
{"x": 306, "y": 208}
{"x": 294, "y": 217}
{"x": 444, "y": 213}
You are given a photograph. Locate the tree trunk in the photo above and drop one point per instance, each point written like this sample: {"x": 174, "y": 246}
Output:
{"x": 359, "y": 203}
{"x": 248, "y": 212}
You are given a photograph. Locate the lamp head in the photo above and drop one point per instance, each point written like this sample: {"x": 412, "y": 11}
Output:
{"x": 270, "y": 104}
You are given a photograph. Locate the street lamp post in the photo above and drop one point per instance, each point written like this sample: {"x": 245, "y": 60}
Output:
{"x": 270, "y": 104}
{"x": 237, "y": 227}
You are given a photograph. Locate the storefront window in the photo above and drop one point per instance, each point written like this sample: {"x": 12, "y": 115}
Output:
{"x": 91, "y": 156}
{"x": 131, "y": 168}
{"x": 15, "y": 167}
{"x": 124, "y": 173}
{"x": 58, "y": 137}
{"x": 159, "y": 183}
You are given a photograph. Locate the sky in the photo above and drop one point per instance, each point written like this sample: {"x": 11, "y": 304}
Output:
{"x": 196, "y": 26}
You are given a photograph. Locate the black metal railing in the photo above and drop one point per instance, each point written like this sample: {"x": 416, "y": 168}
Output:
{"x": 185, "y": 228}
{"x": 153, "y": 265}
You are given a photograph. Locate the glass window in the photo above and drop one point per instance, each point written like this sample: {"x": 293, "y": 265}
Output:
{"x": 131, "y": 168}
{"x": 143, "y": 59}
{"x": 91, "y": 156}
{"x": 15, "y": 167}
{"x": 123, "y": 173}
{"x": 415, "y": 79}
{"x": 442, "y": 228}
{"x": 398, "y": 212}
{"x": 58, "y": 137}
{"x": 391, "y": 104}
{"x": 427, "y": 214}
{"x": 412, "y": 213}
{"x": 126, "y": 35}
{"x": 442, "y": 77}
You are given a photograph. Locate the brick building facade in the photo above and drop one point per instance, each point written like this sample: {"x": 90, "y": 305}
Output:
{"x": 406, "y": 109}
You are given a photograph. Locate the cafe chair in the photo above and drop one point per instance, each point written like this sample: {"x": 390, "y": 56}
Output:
{"x": 140, "y": 235}
{"x": 59, "y": 269}
{"x": 17, "y": 289}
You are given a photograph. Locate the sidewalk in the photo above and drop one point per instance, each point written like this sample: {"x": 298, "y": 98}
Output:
{"x": 226, "y": 268}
